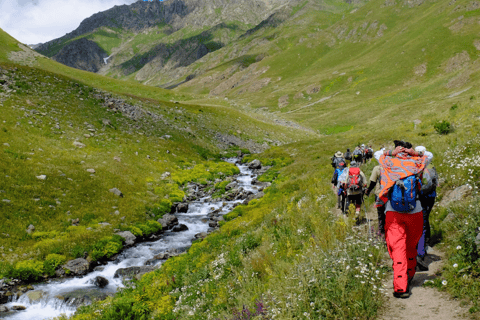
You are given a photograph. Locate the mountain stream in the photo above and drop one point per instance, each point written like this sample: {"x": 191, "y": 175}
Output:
{"x": 51, "y": 304}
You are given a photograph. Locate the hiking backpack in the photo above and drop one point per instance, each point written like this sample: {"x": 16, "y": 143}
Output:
{"x": 336, "y": 161}
{"x": 403, "y": 194}
{"x": 354, "y": 179}
{"x": 348, "y": 155}
{"x": 430, "y": 181}
{"x": 369, "y": 152}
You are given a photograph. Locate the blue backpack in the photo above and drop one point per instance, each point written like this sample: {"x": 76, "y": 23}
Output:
{"x": 403, "y": 194}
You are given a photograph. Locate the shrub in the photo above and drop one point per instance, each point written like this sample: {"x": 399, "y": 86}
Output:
{"x": 44, "y": 235}
{"x": 52, "y": 262}
{"x": 159, "y": 209}
{"x": 136, "y": 231}
{"x": 28, "y": 270}
{"x": 107, "y": 247}
{"x": 149, "y": 227}
{"x": 176, "y": 196}
{"x": 454, "y": 107}
{"x": 443, "y": 127}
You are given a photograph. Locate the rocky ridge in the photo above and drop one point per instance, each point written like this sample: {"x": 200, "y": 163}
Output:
{"x": 156, "y": 58}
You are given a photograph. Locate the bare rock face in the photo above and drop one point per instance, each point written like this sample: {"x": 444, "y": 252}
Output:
{"x": 82, "y": 54}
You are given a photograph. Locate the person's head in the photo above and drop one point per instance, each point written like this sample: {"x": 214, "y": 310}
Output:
{"x": 338, "y": 154}
{"x": 420, "y": 149}
{"x": 408, "y": 145}
{"x": 399, "y": 143}
{"x": 363, "y": 146}
{"x": 353, "y": 164}
{"x": 348, "y": 150}
{"x": 378, "y": 154}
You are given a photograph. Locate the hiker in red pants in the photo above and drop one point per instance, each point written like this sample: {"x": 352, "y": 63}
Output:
{"x": 400, "y": 186}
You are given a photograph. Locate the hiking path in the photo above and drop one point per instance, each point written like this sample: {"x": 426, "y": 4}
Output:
{"x": 424, "y": 303}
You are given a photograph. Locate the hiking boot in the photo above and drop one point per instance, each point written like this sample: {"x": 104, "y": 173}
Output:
{"x": 422, "y": 264}
{"x": 402, "y": 295}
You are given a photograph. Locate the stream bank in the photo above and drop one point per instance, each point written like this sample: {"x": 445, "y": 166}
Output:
{"x": 191, "y": 221}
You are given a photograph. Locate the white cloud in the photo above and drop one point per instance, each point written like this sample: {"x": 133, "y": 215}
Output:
{"x": 38, "y": 21}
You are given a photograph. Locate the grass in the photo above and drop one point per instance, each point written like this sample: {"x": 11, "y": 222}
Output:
{"x": 285, "y": 254}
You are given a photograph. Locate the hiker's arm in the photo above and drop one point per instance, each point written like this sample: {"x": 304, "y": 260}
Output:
{"x": 370, "y": 187}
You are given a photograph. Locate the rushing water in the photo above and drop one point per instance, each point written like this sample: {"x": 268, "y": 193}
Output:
{"x": 195, "y": 219}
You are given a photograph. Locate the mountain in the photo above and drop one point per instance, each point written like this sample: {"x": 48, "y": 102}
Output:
{"x": 146, "y": 38}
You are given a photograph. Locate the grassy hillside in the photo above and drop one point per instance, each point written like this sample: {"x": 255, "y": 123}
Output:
{"x": 55, "y": 128}
{"x": 378, "y": 60}
{"x": 287, "y": 255}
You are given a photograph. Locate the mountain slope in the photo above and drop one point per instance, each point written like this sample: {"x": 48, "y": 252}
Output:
{"x": 168, "y": 35}
{"x": 380, "y": 54}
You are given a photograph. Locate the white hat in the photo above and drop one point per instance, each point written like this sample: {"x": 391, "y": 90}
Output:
{"x": 425, "y": 153}
{"x": 420, "y": 149}
{"x": 378, "y": 154}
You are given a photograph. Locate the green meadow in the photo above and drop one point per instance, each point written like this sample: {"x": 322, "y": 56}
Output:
{"x": 351, "y": 73}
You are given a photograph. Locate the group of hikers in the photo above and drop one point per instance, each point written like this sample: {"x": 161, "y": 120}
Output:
{"x": 404, "y": 183}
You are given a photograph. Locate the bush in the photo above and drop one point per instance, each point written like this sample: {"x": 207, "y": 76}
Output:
{"x": 107, "y": 247}
{"x": 136, "y": 231}
{"x": 159, "y": 209}
{"x": 443, "y": 127}
{"x": 149, "y": 227}
{"x": 176, "y": 196}
{"x": 52, "y": 262}
{"x": 28, "y": 270}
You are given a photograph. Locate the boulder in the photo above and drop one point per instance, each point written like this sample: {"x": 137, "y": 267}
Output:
{"x": 3, "y": 309}
{"x": 455, "y": 195}
{"x": 231, "y": 185}
{"x": 42, "y": 177}
{"x": 182, "y": 207}
{"x": 3, "y": 297}
{"x": 218, "y": 218}
{"x": 179, "y": 228}
{"x": 160, "y": 256}
{"x": 132, "y": 271}
{"x": 91, "y": 170}
{"x": 201, "y": 235}
{"x": 77, "y": 267}
{"x": 212, "y": 224}
{"x": 128, "y": 236}
{"x": 78, "y": 144}
{"x": 19, "y": 308}
{"x": 34, "y": 296}
{"x": 81, "y": 297}
{"x": 168, "y": 221}
{"x": 116, "y": 192}
{"x": 30, "y": 229}
{"x": 100, "y": 282}
{"x": 255, "y": 164}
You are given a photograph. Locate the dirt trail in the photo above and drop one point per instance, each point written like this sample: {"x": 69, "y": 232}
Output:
{"x": 425, "y": 302}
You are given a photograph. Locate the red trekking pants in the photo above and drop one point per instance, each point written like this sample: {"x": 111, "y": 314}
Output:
{"x": 402, "y": 232}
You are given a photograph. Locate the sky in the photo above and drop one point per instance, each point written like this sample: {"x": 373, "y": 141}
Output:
{"x": 39, "y": 21}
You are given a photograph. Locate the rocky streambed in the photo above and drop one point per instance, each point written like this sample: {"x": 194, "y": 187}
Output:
{"x": 190, "y": 221}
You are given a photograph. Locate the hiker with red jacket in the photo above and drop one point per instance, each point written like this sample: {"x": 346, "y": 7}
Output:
{"x": 400, "y": 186}
{"x": 355, "y": 184}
